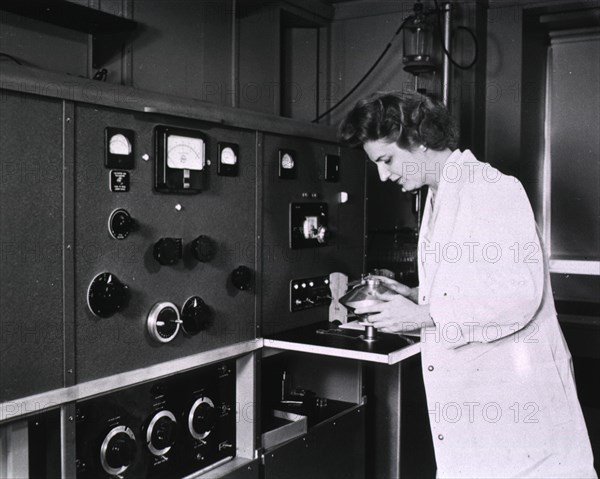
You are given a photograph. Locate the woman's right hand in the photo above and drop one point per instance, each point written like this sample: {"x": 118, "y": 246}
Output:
{"x": 406, "y": 291}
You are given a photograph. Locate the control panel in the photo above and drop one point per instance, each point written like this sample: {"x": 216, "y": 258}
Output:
{"x": 167, "y": 428}
{"x": 165, "y": 262}
{"x": 309, "y": 293}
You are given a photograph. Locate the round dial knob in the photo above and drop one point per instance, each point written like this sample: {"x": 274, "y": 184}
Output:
{"x": 163, "y": 322}
{"x": 202, "y": 418}
{"x": 161, "y": 432}
{"x": 195, "y": 315}
{"x": 204, "y": 248}
{"x": 120, "y": 224}
{"x": 118, "y": 450}
{"x": 107, "y": 295}
{"x": 241, "y": 277}
{"x": 167, "y": 251}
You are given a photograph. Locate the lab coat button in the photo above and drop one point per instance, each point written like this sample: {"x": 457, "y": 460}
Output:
{"x": 424, "y": 298}
{"x": 429, "y": 368}
{"x": 440, "y": 437}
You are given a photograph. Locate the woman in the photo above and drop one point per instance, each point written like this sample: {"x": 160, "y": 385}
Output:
{"x": 497, "y": 371}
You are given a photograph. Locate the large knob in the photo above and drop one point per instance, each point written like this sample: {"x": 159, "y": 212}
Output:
{"x": 202, "y": 418}
{"x": 107, "y": 295}
{"x": 204, "y": 248}
{"x": 161, "y": 433}
{"x": 118, "y": 450}
{"x": 195, "y": 315}
{"x": 168, "y": 251}
{"x": 120, "y": 224}
{"x": 241, "y": 277}
{"x": 163, "y": 322}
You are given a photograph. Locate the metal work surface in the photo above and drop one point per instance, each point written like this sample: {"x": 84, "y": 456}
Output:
{"x": 321, "y": 338}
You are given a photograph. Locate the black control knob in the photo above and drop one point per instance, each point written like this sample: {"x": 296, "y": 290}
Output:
{"x": 107, "y": 295}
{"x": 202, "y": 418}
{"x": 120, "y": 224}
{"x": 161, "y": 433}
{"x": 195, "y": 315}
{"x": 168, "y": 251}
{"x": 241, "y": 277}
{"x": 118, "y": 450}
{"x": 204, "y": 248}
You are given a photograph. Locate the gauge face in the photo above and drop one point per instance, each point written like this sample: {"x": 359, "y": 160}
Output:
{"x": 119, "y": 145}
{"x": 287, "y": 162}
{"x": 185, "y": 153}
{"x": 228, "y": 156}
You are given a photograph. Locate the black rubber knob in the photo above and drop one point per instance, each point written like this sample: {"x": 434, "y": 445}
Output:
{"x": 164, "y": 432}
{"x": 107, "y": 295}
{"x": 121, "y": 451}
{"x": 196, "y": 315}
{"x": 168, "y": 251}
{"x": 205, "y": 418}
{"x": 204, "y": 249}
{"x": 241, "y": 277}
{"x": 120, "y": 224}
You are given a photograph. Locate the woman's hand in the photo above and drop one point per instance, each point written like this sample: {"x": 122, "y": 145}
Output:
{"x": 407, "y": 292}
{"x": 397, "y": 314}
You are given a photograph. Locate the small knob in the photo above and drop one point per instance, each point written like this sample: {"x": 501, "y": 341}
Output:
{"x": 163, "y": 322}
{"x": 107, "y": 295}
{"x": 118, "y": 450}
{"x": 204, "y": 248}
{"x": 161, "y": 433}
{"x": 241, "y": 277}
{"x": 120, "y": 224}
{"x": 322, "y": 235}
{"x": 196, "y": 316}
{"x": 168, "y": 251}
{"x": 202, "y": 418}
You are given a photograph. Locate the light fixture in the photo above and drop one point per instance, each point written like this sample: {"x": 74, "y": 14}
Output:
{"x": 418, "y": 34}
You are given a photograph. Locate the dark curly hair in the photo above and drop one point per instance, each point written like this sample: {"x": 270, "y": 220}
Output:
{"x": 408, "y": 119}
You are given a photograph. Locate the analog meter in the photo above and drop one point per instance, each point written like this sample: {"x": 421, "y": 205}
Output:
{"x": 287, "y": 164}
{"x": 228, "y": 159}
{"x": 118, "y": 148}
{"x": 180, "y": 160}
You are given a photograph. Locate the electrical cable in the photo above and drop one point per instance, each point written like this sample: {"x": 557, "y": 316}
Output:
{"x": 10, "y": 57}
{"x": 389, "y": 45}
{"x": 364, "y": 77}
{"x": 446, "y": 52}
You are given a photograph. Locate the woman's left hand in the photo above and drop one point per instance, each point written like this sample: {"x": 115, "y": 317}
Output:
{"x": 397, "y": 315}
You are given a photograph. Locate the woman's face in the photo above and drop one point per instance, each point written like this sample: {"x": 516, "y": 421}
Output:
{"x": 403, "y": 167}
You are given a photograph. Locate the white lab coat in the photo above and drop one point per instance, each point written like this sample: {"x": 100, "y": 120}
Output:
{"x": 497, "y": 371}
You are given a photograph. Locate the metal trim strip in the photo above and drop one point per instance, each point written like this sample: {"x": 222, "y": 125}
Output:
{"x": 22, "y": 407}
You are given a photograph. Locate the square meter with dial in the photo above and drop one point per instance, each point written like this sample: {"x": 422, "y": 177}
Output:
{"x": 180, "y": 160}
